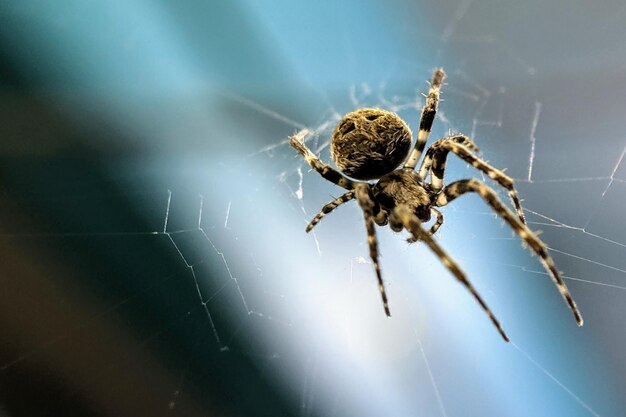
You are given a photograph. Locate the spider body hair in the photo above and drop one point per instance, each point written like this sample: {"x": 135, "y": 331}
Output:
{"x": 369, "y": 143}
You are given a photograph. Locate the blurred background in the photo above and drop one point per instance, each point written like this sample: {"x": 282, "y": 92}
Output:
{"x": 153, "y": 256}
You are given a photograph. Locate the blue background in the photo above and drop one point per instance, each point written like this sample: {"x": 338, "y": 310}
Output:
{"x": 154, "y": 260}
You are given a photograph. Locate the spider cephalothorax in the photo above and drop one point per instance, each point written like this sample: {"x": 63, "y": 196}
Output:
{"x": 373, "y": 143}
{"x": 403, "y": 187}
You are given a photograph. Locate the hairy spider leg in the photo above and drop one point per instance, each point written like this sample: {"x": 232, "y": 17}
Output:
{"x": 427, "y": 162}
{"x": 438, "y": 223}
{"x": 370, "y": 206}
{"x": 328, "y": 173}
{"x": 458, "y": 188}
{"x": 428, "y": 116}
{"x": 440, "y": 152}
{"x": 330, "y": 207}
{"x": 402, "y": 216}
{"x": 434, "y": 227}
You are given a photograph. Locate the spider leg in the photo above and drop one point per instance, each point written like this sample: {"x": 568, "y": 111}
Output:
{"x": 428, "y": 116}
{"x": 433, "y": 228}
{"x": 458, "y": 188}
{"x": 328, "y": 173}
{"x": 438, "y": 223}
{"x": 402, "y": 216}
{"x": 369, "y": 206}
{"x": 330, "y": 207}
{"x": 454, "y": 145}
{"x": 427, "y": 162}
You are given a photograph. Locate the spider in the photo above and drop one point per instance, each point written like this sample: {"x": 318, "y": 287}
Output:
{"x": 370, "y": 144}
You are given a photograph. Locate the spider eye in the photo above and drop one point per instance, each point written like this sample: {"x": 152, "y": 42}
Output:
{"x": 369, "y": 143}
{"x": 386, "y": 201}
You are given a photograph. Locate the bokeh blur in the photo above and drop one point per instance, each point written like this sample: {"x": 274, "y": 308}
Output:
{"x": 153, "y": 256}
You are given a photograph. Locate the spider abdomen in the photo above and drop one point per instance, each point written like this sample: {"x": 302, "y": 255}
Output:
{"x": 369, "y": 143}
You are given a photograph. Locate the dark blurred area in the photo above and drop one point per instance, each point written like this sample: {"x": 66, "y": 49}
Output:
{"x": 98, "y": 317}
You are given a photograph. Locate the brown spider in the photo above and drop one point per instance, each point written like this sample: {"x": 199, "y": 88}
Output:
{"x": 371, "y": 143}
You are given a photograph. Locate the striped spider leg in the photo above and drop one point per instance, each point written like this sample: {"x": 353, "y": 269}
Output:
{"x": 380, "y": 218}
{"x": 328, "y": 208}
{"x": 370, "y": 208}
{"x": 458, "y": 188}
{"x": 428, "y": 116}
{"x": 326, "y": 171}
{"x": 402, "y": 217}
{"x": 433, "y": 228}
{"x": 460, "y": 145}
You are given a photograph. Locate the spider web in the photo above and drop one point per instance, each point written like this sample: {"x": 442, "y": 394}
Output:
{"x": 241, "y": 280}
